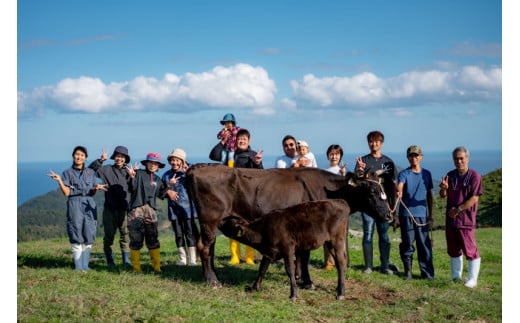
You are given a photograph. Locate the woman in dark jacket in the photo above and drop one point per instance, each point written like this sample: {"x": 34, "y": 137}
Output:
{"x": 245, "y": 157}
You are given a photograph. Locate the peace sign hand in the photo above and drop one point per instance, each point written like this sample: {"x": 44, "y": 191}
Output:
{"x": 360, "y": 164}
{"x": 102, "y": 187}
{"x": 444, "y": 183}
{"x": 258, "y": 157}
{"x": 104, "y": 155}
{"x": 131, "y": 169}
{"x": 54, "y": 176}
{"x": 173, "y": 180}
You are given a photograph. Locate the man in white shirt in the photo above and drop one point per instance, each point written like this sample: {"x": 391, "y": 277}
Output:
{"x": 289, "y": 148}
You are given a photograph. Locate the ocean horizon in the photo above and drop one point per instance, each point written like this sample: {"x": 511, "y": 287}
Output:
{"x": 32, "y": 179}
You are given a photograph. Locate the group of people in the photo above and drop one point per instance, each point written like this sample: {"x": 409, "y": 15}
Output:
{"x": 462, "y": 187}
{"x": 130, "y": 206}
{"x": 130, "y": 203}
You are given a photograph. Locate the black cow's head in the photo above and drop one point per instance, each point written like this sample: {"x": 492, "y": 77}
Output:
{"x": 368, "y": 192}
{"x": 381, "y": 191}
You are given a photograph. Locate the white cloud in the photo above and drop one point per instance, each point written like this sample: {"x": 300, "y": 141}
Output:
{"x": 415, "y": 88}
{"x": 246, "y": 87}
{"x": 238, "y": 86}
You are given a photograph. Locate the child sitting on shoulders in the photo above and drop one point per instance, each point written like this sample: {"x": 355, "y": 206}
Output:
{"x": 229, "y": 133}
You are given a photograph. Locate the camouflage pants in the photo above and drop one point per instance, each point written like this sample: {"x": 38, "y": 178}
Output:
{"x": 142, "y": 226}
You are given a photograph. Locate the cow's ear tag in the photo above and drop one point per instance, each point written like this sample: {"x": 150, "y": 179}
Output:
{"x": 239, "y": 233}
{"x": 383, "y": 195}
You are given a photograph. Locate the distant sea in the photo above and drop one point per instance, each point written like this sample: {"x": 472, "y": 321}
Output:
{"x": 33, "y": 182}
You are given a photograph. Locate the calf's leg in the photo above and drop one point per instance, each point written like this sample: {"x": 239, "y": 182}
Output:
{"x": 340, "y": 256}
{"x": 290, "y": 269}
{"x": 264, "y": 265}
{"x": 304, "y": 257}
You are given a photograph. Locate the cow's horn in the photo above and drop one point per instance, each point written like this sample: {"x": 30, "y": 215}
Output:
{"x": 352, "y": 183}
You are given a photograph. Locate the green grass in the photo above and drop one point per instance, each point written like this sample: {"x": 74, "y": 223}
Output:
{"x": 49, "y": 290}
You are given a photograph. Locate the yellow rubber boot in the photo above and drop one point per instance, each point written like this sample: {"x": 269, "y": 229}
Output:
{"x": 250, "y": 255}
{"x": 135, "y": 259}
{"x": 329, "y": 260}
{"x": 234, "y": 247}
{"x": 155, "y": 254}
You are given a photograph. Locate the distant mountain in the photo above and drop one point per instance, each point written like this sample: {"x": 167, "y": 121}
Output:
{"x": 44, "y": 217}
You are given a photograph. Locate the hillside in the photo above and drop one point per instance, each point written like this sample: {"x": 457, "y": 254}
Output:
{"x": 44, "y": 217}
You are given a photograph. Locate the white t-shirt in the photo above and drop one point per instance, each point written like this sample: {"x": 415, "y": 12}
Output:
{"x": 283, "y": 162}
{"x": 334, "y": 169}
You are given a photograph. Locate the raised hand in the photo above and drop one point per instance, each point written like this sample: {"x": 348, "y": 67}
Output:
{"x": 173, "y": 180}
{"x": 131, "y": 170}
{"x": 360, "y": 164}
{"x": 54, "y": 176}
{"x": 102, "y": 187}
{"x": 342, "y": 168}
{"x": 104, "y": 155}
{"x": 258, "y": 156}
{"x": 444, "y": 183}
{"x": 185, "y": 166}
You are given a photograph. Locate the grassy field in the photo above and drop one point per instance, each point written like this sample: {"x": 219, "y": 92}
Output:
{"x": 49, "y": 290}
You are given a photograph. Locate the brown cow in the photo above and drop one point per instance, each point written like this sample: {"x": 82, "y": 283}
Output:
{"x": 294, "y": 232}
{"x": 218, "y": 191}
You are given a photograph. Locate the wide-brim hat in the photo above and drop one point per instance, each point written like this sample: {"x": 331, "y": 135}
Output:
{"x": 123, "y": 151}
{"x": 155, "y": 157}
{"x": 178, "y": 153}
{"x": 229, "y": 117}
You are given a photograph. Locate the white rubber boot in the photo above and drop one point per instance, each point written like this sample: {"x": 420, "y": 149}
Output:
{"x": 85, "y": 256}
{"x": 182, "y": 257}
{"x": 76, "y": 256}
{"x": 473, "y": 270}
{"x": 456, "y": 268}
{"x": 193, "y": 256}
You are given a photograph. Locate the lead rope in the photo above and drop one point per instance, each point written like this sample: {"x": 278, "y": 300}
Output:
{"x": 417, "y": 224}
{"x": 404, "y": 205}
{"x": 411, "y": 215}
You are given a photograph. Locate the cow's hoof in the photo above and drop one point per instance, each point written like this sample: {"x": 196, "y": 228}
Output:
{"x": 308, "y": 286}
{"x": 215, "y": 284}
{"x": 251, "y": 289}
{"x": 340, "y": 297}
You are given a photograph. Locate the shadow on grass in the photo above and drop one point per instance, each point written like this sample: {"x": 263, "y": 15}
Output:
{"x": 227, "y": 274}
{"x": 35, "y": 261}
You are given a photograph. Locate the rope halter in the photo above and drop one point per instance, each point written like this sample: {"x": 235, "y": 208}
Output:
{"x": 383, "y": 195}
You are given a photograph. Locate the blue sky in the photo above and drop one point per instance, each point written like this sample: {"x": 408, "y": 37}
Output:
{"x": 156, "y": 76}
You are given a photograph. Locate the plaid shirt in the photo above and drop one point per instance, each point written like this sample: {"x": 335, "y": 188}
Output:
{"x": 231, "y": 142}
